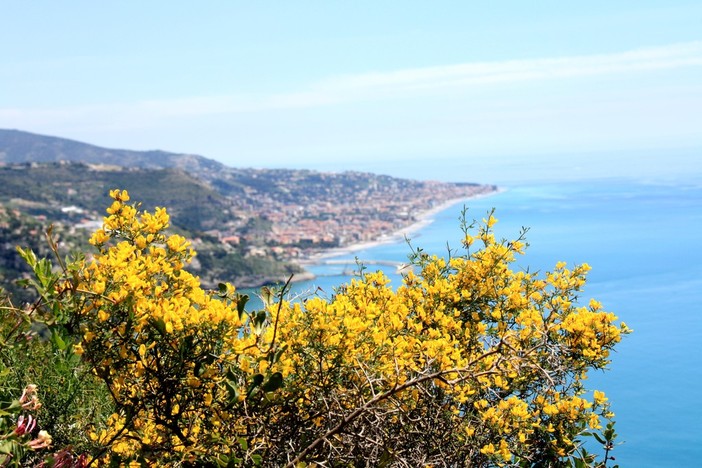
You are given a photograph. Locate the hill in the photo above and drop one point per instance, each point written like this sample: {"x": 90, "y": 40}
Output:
{"x": 23, "y": 147}
{"x": 72, "y": 197}
{"x": 250, "y": 226}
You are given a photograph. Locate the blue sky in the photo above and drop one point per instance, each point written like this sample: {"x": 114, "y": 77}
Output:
{"x": 505, "y": 90}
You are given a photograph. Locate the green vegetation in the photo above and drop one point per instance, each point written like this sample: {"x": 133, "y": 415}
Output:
{"x": 57, "y": 185}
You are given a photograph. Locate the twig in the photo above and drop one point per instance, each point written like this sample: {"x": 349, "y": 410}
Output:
{"x": 383, "y": 396}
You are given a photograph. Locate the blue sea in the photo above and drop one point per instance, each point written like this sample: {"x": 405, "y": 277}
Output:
{"x": 643, "y": 241}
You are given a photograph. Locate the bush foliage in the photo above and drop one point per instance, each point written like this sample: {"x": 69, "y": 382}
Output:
{"x": 466, "y": 363}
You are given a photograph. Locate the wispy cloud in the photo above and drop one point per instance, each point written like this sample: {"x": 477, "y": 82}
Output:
{"x": 373, "y": 86}
{"x": 481, "y": 73}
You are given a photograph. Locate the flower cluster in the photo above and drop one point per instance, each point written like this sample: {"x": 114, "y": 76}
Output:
{"x": 26, "y": 435}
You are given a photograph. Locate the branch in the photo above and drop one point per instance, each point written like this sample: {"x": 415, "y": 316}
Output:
{"x": 277, "y": 314}
{"x": 387, "y": 394}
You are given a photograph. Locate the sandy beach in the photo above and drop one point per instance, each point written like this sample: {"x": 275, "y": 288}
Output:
{"x": 423, "y": 219}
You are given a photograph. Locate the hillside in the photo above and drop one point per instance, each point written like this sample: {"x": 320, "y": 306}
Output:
{"x": 192, "y": 203}
{"x": 250, "y": 226}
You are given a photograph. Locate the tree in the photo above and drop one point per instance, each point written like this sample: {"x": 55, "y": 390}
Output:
{"x": 467, "y": 363}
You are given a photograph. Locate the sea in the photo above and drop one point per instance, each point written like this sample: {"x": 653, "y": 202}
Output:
{"x": 643, "y": 240}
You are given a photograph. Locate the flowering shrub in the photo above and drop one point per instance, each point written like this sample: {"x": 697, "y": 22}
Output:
{"x": 168, "y": 352}
{"x": 466, "y": 363}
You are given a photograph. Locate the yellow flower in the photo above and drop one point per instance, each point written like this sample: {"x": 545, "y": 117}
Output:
{"x": 594, "y": 421}
{"x": 119, "y": 196}
{"x": 177, "y": 243}
{"x": 488, "y": 449}
{"x": 599, "y": 397}
{"x": 99, "y": 237}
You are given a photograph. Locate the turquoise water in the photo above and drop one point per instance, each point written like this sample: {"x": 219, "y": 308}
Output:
{"x": 643, "y": 241}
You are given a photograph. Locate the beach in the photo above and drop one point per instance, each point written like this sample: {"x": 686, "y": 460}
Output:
{"x": 423, "y": 219}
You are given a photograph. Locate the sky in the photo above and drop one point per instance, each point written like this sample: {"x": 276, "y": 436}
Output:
{"x": 452, "y": 90}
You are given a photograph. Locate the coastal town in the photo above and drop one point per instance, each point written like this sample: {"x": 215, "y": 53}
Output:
{"x": 336, "y": 210}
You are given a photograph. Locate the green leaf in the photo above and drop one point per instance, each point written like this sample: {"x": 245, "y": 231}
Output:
{"x": 258, "y": 322}
{"x": 28, "y": 256}
{"x": 233, "y": 391}
{"x": 159, "y": 325}
{"x": 255, "y": 382}
{"x": 58, "y": 341}
{"x": 6, "y": 447}
{"x": 274, "y": 382}
{"x": 222, "y": 460}
{"x": 240, "y": 304}
{"x": 257, "y": 459}
{"x": 243, "y": 443}
{"x": 9, "y": 408}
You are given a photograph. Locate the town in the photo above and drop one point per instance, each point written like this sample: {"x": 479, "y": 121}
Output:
{"x": 333, "y": 210}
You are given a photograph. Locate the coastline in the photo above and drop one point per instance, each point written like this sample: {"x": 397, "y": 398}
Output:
{"x": 424, "y": 219}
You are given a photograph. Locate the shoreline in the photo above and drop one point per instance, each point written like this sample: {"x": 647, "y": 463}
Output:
{"x": 424, "y": 219}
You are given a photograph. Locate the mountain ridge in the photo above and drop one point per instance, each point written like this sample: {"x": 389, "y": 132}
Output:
{"x": 19, "y": 146}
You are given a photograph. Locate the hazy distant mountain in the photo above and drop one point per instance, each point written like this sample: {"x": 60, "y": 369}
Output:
{"x": 251, "y": 188}
{"x": 20, "y": 147}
